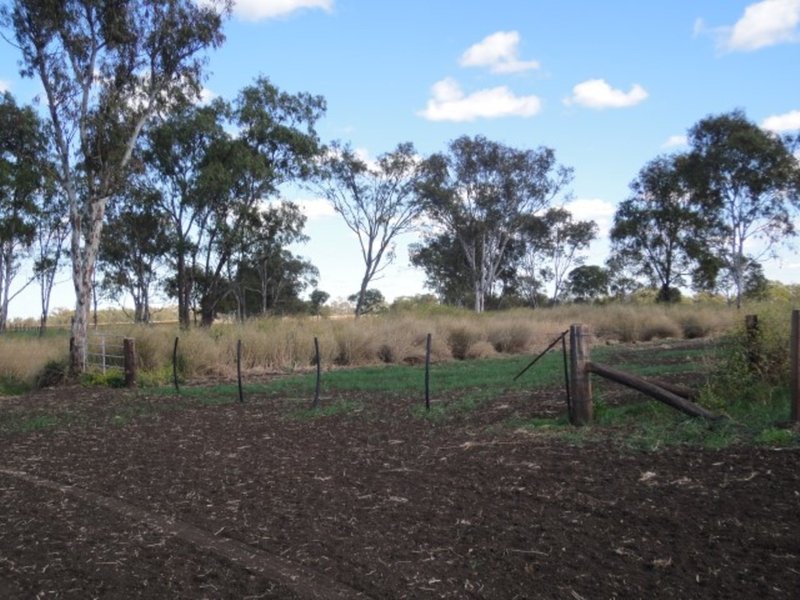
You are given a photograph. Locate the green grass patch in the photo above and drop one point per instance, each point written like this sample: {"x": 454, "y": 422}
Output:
{"x": 111, "y": 378}
{"x": 778, "y": 437}
{"x": 29, "y": 423}
{"x": 10, "y": 386}
{"x": 476, "y": 380}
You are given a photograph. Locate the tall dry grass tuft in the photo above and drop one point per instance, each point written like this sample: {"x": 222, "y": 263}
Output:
{"x": 464, "y": 334}
{"x": 510, "y": 337}
{"x": 480, "y": 349}
{"x": 354, "y": 345}
{"x": 22, "y": 359}
{"x": 402, "y": 339}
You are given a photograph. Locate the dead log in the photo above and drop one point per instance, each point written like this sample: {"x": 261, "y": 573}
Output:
{"x": 652, "y": 390}
{"x": 678, "y": 390}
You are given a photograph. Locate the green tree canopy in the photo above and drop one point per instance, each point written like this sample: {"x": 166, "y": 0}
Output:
{"x": 749, "y": 180}
{"x": 659, "y": 231}
{"x": 479, "y": 193}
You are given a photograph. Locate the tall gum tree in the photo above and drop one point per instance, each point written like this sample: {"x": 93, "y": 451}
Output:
{"x": 106, "y": 68}
{"x": 213, "y": 184}
{"x": 481, "y": 192}
{"x": 659, "y": 231}
{"x": 23, "y": 161}
{"x": 749, "y": 179}
{"x": 376, "y": 202}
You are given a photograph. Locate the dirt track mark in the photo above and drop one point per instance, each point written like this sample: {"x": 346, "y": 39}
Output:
{"x": 304, "y": 582}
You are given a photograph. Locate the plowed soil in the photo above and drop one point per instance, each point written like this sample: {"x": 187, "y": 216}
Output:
{"x": 256, "y": 500}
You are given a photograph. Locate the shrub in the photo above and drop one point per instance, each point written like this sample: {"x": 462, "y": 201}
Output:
{"x": 52, "y": 374}
{"x": 750, "y": 368}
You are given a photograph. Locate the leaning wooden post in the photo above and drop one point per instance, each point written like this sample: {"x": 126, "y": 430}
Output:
{"x": 794, "y": 357}
{"x": 129, "y": 361}
{"x": 580, "y": 383}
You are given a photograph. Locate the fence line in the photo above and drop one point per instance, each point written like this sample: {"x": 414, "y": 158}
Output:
{"x": 104, "y": 351}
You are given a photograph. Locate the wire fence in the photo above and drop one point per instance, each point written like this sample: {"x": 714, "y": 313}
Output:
{"x": 104, "y": 352}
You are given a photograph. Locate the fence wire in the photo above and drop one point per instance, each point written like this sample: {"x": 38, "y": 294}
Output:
{"x": 104, "y": 352}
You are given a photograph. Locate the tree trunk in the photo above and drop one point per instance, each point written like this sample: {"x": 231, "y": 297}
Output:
{"x": 478, "y": 296}
{"x": 47, "y": 280}
{"x": 84, "y": 257}
{"x": 182, "y": 283}
{"x": 7, "y": 275}
{"x": 362, "y": 292}
{"x": 206, "y": 312}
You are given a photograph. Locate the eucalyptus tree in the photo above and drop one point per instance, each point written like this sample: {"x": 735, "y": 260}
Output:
{"x": 175, "y": 151}
{"x": 275, "y": 143}
{"x": 23, "y": 165}
{"x": 213, "y": 182}
{"x": 588, "y": 283}
{"x": 441, "y": 257}
{"x": 659, "y": 231}
{"x": 553, "y": 243}
{"x": 52, "y": 231}
{"x": 480, "y": 192}
{"x": 263, "y": 269}
{"x": 749, "y": 180}
{"x": 106, "y": 68}
{"x": 375, "y": 200}
{"x": 133, "y": 248}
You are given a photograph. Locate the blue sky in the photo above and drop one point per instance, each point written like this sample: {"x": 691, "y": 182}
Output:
{"x": 608, "y": 85}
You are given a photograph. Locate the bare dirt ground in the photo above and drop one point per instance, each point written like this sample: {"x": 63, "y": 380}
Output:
{"x": 254, "y": 501}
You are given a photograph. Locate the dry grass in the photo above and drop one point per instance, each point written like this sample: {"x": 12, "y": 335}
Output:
{"x": 23, "y": 359}
{"x": 287, "y": 344}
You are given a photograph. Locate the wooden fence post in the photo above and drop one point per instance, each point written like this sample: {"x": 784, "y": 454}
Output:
{"x": 428, "y": 372}
{"x": 175, "y": 365}
{"x": 753, "y": 338}
{"x": 129, "y": 361}
{"x": 580, "y": 382}
{"x": 794, "y": 358}
{"x": 239, "y": 368}
{"x": 318, "y": 360}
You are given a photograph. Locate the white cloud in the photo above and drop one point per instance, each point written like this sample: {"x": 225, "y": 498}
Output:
{"x": 596, "y": 93}
{"x": 594, "y": 209}
{"x": 675, "y": 141}
{"x": 315, "y": 208}
{"x": 449, "y": 103}
{"x": 780, "y": 123}
{"x": 206, "y": 96}
{"x": 4, "y": 86}
{"x": 498, "y": 51}
{"x": 256, "y": 10}
{"x": 763, "y": 24}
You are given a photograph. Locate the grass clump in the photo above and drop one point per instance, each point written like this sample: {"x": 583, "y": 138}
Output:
{"x": 52, "y": 374}
{"x": 461, "y": 337}
{"x": 111, "y": 378}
